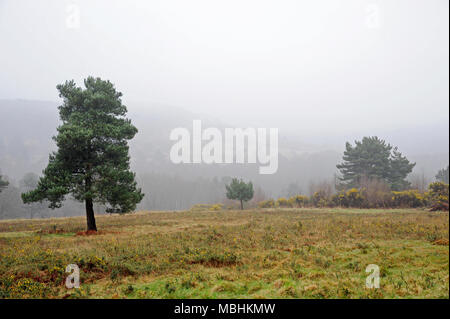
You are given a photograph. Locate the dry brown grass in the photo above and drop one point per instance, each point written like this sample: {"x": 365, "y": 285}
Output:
{"x": 271, "y": 253}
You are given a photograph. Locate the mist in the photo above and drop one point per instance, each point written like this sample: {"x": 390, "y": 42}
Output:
{"x": 322, "y": 72}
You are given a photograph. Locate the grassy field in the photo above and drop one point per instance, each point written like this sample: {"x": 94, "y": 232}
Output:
{"x": 279, "y": 253}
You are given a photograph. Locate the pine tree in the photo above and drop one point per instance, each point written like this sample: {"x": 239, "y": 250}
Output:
{"x": 239, "y": 190}
{"x": 372, "y": 158}
{"x": 92, "y": 161}
{"x": 400, "y": 168}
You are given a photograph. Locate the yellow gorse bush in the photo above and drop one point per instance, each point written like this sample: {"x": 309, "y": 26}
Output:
{"x": 409, "y": 198}
{"x": 282, "y": 202}
{"x": 270, "y": 203}
{"x": 206, "y": 207}
{"x": 298, "y": 200}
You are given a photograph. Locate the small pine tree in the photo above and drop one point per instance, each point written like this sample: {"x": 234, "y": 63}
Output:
{"x": 239, "y": 190}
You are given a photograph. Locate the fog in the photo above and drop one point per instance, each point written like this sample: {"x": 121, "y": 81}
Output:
{"x": 325, "y": 66}
{"x": 322, "y": 72}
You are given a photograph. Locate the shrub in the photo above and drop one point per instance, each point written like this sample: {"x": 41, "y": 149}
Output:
{"x": 376, "y": 194}
{"x": 216, "y": 207}
{"x": 409, "y": 198}
{"x": 340, "y": 199}
{"x": 320, "y": 199}
{"x": 299, "y": 201}
{"x": 355, "y": 198}
{"x": 27, "y": 288}
{"x": 270, "y": 203}
{"x": 200, "y": 207}
{"x": 350, "y": 198}
{"x": 437, "y": 195}
{"x": 282, "y": 202}
{"x": 206, "y": 207}
{"x": 374, "y": 198}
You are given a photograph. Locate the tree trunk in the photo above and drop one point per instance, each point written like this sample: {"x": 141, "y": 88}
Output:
{"x": 242, "y": 205}
{"x": 90, "y": 215}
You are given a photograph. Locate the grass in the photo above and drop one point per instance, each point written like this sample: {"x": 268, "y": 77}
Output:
{"x": 271, "y": 253}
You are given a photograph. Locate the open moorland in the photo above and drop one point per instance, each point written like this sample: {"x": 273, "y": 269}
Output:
{"x": 261, "y": 253}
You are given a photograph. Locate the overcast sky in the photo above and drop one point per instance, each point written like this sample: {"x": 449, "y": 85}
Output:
{"x": 317, "y": 66}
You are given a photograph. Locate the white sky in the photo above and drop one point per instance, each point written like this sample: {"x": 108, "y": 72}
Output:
{"x": 319, "y": 66}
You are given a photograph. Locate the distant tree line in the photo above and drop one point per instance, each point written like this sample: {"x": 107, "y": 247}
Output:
{"x": 372, "y": 175}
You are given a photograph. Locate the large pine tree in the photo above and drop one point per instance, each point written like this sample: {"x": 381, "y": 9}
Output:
{"x": 92, "y": 161}
{"x": 373, "y": 158}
